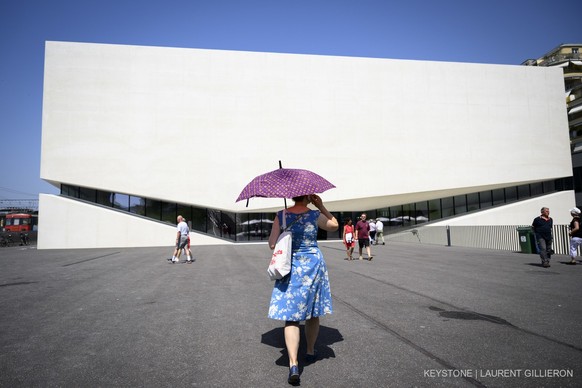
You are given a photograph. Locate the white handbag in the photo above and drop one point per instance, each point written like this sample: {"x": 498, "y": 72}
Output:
{"x": 280, "y": 264}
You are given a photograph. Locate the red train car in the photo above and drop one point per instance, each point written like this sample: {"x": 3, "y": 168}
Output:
{"x": 18, "y": 222}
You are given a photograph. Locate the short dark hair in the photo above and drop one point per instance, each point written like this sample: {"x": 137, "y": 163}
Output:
{"x": 299, "y": 198}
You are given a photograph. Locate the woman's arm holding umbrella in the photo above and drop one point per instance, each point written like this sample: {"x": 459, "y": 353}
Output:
{"x": 326, "y": 220}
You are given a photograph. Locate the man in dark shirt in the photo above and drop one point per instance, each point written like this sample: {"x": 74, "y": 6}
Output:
{"x": 363, "y": 236}
{"x": 542, "y": 227}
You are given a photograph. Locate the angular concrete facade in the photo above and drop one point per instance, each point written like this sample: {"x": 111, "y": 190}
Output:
{"x": 194, "y": 126}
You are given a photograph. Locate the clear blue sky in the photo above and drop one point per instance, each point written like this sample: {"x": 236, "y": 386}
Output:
{"x": 499, "y": 32}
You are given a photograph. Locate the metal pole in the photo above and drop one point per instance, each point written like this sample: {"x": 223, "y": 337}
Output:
{"x": 284, "y": 199}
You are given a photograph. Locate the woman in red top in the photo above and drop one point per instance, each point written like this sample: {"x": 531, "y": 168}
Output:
{"x": 348, "y": 237}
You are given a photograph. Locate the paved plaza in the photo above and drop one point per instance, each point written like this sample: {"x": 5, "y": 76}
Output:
{"x": 416, "y": 316}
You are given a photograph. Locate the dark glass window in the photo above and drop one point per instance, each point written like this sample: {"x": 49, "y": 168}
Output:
{"x": 137, "y": 205}
{"x": 421, "y": 213}
{"x": 460, "y": 204}
{"x": 243, "y": 226}
{"x": 199, "y": 219}
{"x": 549, "y": 186}
{"x": 395, "y": 216}
{"x": 473, "y": 202}
{"x": 564, "y": 184}
{"x": 153, "y": 209}
{"x": 255, "y": 227}
{"x": 498, "y": 196}
{"x": 523, "y": 191}
{"x": 121, "y": 201}
{"x": 434, "y": 209}
{"x": 384, "y": 213}
{"x": 105, "y": 198}
{"x": 408, "y": 214}
{"x": 227, "y": 225}
{"x": 536, "y": 189}
{"x": 510, "y": 194}
{"x": 213, "y": 224}
{"x": 186, "y": 212}
{"x": 70, "y": 191}
{"x": 169, "y": 214}
{"x": 88, "y": 194}
{"x": 485, "y": 199}
{"x": 447, "y": 206}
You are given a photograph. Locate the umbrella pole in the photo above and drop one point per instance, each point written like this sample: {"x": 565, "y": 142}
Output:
{"x": 284, "y": 199}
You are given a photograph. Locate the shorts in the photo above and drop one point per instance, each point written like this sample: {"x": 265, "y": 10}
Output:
{"x": 574, "y": 243}
{"x": 364, "y": 242}
{"x": 183, "y": 242}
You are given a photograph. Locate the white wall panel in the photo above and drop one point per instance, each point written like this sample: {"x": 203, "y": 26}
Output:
{"x": 194, "y": 126}
{"x": 65, "y": 223}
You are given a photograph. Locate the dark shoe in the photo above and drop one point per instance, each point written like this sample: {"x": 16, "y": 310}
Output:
{"x": 546, "y": 265}
{"x": 293, "y": 375}
{"x": 311, "y": 358}
{"x": 370, "y": 258}
{"x": 573, "y": 262}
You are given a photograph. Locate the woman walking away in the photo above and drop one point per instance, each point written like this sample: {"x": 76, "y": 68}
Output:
{"x": 575, "y": 233}
{"x": 304, "y": 294}
{"x": 349, "y": 238}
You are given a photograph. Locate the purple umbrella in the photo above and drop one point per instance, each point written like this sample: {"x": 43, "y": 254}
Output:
{"x": 285, "y": 183}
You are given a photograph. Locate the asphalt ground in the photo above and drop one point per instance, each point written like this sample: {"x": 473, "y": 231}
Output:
{"x": 415, "y": 316}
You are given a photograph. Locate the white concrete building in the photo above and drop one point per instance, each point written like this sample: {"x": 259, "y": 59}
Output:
{"x": 193, "y": 127}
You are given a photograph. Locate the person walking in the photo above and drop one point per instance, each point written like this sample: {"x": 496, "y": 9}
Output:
{"x": 380, "y": 232}
{"x": 542, "y": 227}
{"x": 372, "y": 224}
{"x": 363, "y": 236}
{"x": 575, "y": 234}
{"x": 349, "y": 238}
{"x": 304, "y": 294}
{"x": 182, "y": 235}
{"x": 187, "y": 247}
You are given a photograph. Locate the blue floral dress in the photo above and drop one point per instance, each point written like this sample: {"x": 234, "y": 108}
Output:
{"x": 305, "y": 292}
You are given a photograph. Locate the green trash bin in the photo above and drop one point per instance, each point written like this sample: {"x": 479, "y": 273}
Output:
{"x": 526, "y": 239}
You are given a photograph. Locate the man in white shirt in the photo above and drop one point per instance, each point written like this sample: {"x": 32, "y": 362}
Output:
{"x": 372, "y": 232}
{"x": 182, "y": 235}
{"x": 380, "y": 232}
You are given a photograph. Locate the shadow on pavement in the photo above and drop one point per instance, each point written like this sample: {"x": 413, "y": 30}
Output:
{"x": 327, "y": 337}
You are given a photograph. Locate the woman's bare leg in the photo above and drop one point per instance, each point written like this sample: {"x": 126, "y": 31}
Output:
{"x": 311, "y": 333}
{"x": 292, "y": 341}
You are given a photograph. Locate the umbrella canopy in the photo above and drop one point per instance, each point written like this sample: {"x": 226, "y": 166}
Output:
{"x": 285, "y": 183}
